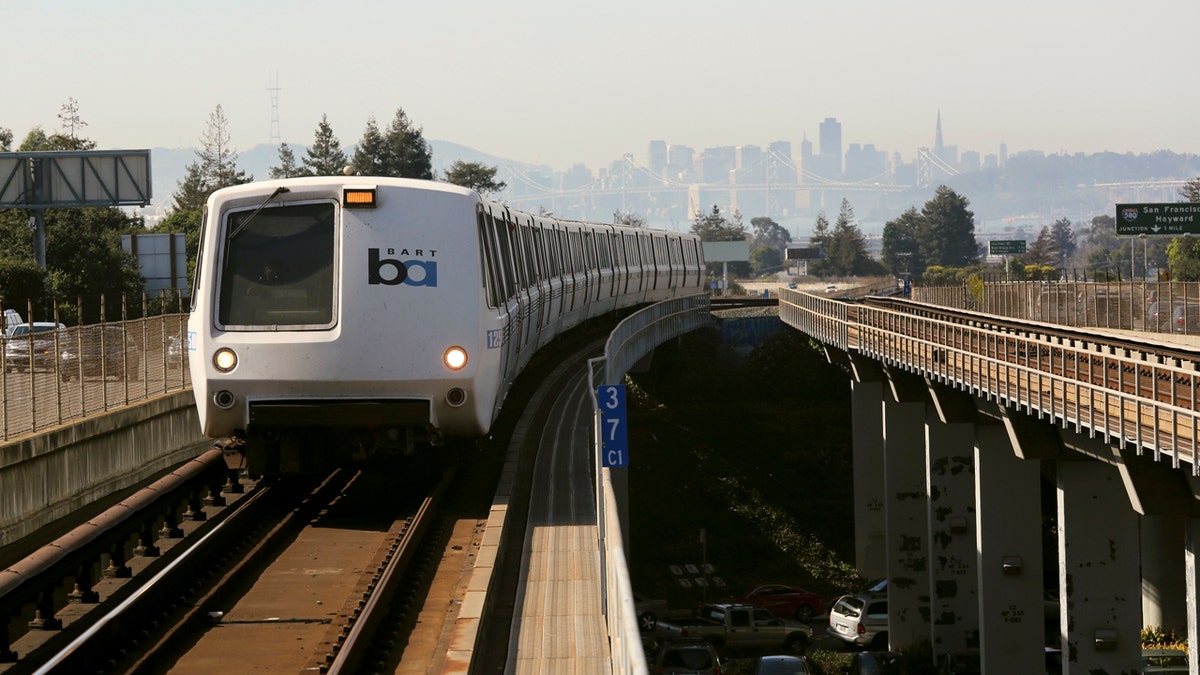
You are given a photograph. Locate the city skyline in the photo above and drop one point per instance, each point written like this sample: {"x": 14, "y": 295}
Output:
{"x": 541, "y": 83}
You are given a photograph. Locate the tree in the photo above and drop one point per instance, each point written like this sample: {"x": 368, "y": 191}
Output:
{"x": 475, "y": 175}
{"x": 325, "y": 157}
{"x": 947, "y": 233}
{"x": 1191, "y": 191}
{"x": 846, "y": 254}
{"x": 193, "y": 190}
{"x": 1043, "y": 252}
{"x": 400, "y": 152}
{"x": 218, "y": 159}
{"x": 85, "y": 260}
{"x": 370, "y": 157}
{"x": 628, "y": 219}
{"x": 1064, "y": 241}
{"x": 765, "y": 259}
{"x": 287, "y": 164}
{"x": 767, "y": 232}
{"x": 6, "y": 139}
{"x": 1183, "y": 253}
{"x": 716, "y": 227}
{"x": 71, "y": 122}
{"x": 407, "y": 150}
{"x": 899, "y": 249}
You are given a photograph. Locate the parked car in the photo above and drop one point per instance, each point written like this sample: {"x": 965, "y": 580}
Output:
{"x": 176, "y": 346}
{"x": 782, "y": 665}
{"x": 26, "y": 339}
{"x": 1160, "y": 661}
{"x": 783, "y": 601}
{"x": 690, "y": 656}
{"x": 1186, "y": 319}
{"x": 99, "y": 350}
{"x": 861, "y": 620}
{"x": 10, "y": 320}
{"x": 737, "y": 627}
{"x": 648, "y": 611}
{"x": 878, "y": 663}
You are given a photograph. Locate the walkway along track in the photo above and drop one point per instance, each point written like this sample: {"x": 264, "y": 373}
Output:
{"x": 1122, "y": 387}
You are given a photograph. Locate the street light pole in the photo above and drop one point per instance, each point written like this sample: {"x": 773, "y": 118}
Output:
{"x": 1145, "y": 257}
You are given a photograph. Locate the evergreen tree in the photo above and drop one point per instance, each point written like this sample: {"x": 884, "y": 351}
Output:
{"x": 716, "y": 227}
{"x": 847, "y": 252}
{"x": 71, "y": 122}
{"x": 370, "y": 157}
{"x": 287, "y": 164}
{"x": 900, "y": 251}
{"x": 1043, "y": 252}
{"x": 947, "y": 234}
{"x": 325, "y": 157}
{"x": 1064, "y": 241}
{"x": 408, "y": 154}
{"x": 193, "y": 190}
{"x": 218, "y": 159}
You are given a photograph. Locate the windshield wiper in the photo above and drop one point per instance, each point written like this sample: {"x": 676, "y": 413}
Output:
{"x": 242, "y": 225}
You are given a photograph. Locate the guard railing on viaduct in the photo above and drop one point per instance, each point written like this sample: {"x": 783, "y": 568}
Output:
{"x": 1111, "y": 381}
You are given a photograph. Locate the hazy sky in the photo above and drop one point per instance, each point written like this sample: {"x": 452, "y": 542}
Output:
{"x": 558, "y": 82}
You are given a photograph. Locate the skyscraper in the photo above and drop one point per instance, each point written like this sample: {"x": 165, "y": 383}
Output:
{"x": 831, "y": 147}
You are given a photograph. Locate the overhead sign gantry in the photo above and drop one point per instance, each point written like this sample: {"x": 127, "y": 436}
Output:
{"x": 37, "y": 181}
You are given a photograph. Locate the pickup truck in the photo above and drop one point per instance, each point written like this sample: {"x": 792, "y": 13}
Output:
{"x": 736, "y": 627}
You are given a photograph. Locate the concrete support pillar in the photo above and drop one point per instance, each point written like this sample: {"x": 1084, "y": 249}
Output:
{"x": 953, "y": 575}
{"x": 1008, "y": 507}
{"x": 1164, "y": 591}
{"x": 906, "y": 512}
{"x": 870, "y": 539}
{"x": 1191, "y": 569}
{"x": 1099, "y": 576}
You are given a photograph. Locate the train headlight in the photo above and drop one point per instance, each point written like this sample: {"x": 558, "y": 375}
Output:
{"x": 225, "y": 360}
{"x": 455, "y": 358}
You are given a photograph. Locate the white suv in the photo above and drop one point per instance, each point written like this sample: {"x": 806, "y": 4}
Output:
{"x": 861, "y": 620}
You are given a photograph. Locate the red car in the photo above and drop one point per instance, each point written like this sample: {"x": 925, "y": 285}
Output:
{"x": 784, "y": 601}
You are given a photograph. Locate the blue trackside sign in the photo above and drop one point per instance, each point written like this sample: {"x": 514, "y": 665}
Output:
{"x": 614, "y": 425}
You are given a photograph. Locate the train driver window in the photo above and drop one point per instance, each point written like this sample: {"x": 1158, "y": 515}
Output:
{"x": 277, "y": 271}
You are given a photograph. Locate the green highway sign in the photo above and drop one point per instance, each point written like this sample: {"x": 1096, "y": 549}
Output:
{"x": 1178, "y": 219}
{"x": 1006, "y": 247}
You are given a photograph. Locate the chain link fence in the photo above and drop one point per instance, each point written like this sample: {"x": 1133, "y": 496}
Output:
{"x": 54, "y": 374}
{"x": 1150, "y": 306}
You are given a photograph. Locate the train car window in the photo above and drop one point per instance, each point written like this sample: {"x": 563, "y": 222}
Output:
{"x": 602, "y": 250}
{"x": 487, "y": 249}
{"x": 504, "y": 228}
{"x": 199, "y": 258}
{"x": 564, "y": 253}
{"x": 278, "y": 268}
{"x": 531, "y": 274}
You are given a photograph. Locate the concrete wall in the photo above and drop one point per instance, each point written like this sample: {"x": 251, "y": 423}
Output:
{"x": 46, "y": 476}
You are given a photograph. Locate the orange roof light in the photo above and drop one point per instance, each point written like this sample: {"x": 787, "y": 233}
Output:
{"x": 358, "y": 197}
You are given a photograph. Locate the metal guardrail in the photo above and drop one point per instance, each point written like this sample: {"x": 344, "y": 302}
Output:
{"x": 66, "y": 374}
{"x": 631, "y": 340}
{"x": 1087, "y": 383}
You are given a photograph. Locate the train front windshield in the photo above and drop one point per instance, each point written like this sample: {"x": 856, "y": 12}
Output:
{"x": 278, "y": 268}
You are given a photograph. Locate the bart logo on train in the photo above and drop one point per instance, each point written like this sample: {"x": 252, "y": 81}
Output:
{"x": 393, "y": 272}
